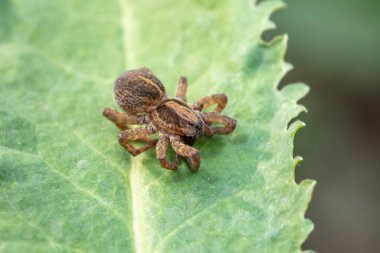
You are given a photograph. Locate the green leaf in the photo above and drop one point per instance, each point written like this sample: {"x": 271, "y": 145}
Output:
{"x": 65, "y": 183}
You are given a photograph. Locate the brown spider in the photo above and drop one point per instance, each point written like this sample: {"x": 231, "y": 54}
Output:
{"x": 143, "y": 97}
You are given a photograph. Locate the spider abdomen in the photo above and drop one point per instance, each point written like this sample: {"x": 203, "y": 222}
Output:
{"x": 138, "y": 91}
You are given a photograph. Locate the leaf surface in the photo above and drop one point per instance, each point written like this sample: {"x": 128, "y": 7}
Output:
{"x": 65, "y": 183}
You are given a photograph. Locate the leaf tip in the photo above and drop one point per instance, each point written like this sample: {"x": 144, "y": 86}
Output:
{"x": 294, "y": 127}
{"x": 308, "y": 185}
{"x": 271, "y": 6}
{"x": 296, "y": 161}
{"x": 295, "y": 91}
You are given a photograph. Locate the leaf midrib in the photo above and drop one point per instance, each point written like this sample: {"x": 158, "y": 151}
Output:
{"x": 126, "y": 25}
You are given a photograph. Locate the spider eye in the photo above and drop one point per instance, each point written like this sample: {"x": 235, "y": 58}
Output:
{"x": 196, "y": 125}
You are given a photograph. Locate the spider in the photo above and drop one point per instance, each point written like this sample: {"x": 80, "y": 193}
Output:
{"x": 143, "y": 97}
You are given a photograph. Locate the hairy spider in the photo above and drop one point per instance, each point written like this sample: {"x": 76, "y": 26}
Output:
{"x": 143, "y": 97}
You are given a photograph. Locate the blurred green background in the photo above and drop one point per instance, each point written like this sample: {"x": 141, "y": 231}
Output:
{"x": 335, "y": 48}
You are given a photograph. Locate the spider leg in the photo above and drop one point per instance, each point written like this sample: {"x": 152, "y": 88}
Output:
{"x": 219, "y": 99}
{"x": 191, "y": 154}
{"x": 122, "y": 120}
{"x": 181, "y": 88}
{"x": 126, "y": 136}
{"x": 161, "y": 148}
{"x": 216, "y": 117}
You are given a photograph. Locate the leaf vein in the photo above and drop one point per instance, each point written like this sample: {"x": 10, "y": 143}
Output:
{"x": 188, "y": 221}
{"x": 50, "y": 240}
{"x": 93, "y": 195}
{"x": 96, "y": 151}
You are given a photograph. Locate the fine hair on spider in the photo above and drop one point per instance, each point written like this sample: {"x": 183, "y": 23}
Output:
{"x": 143, "y": 98}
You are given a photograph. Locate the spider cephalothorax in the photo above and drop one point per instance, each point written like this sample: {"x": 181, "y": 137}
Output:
{"x": 143, "y": 97}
